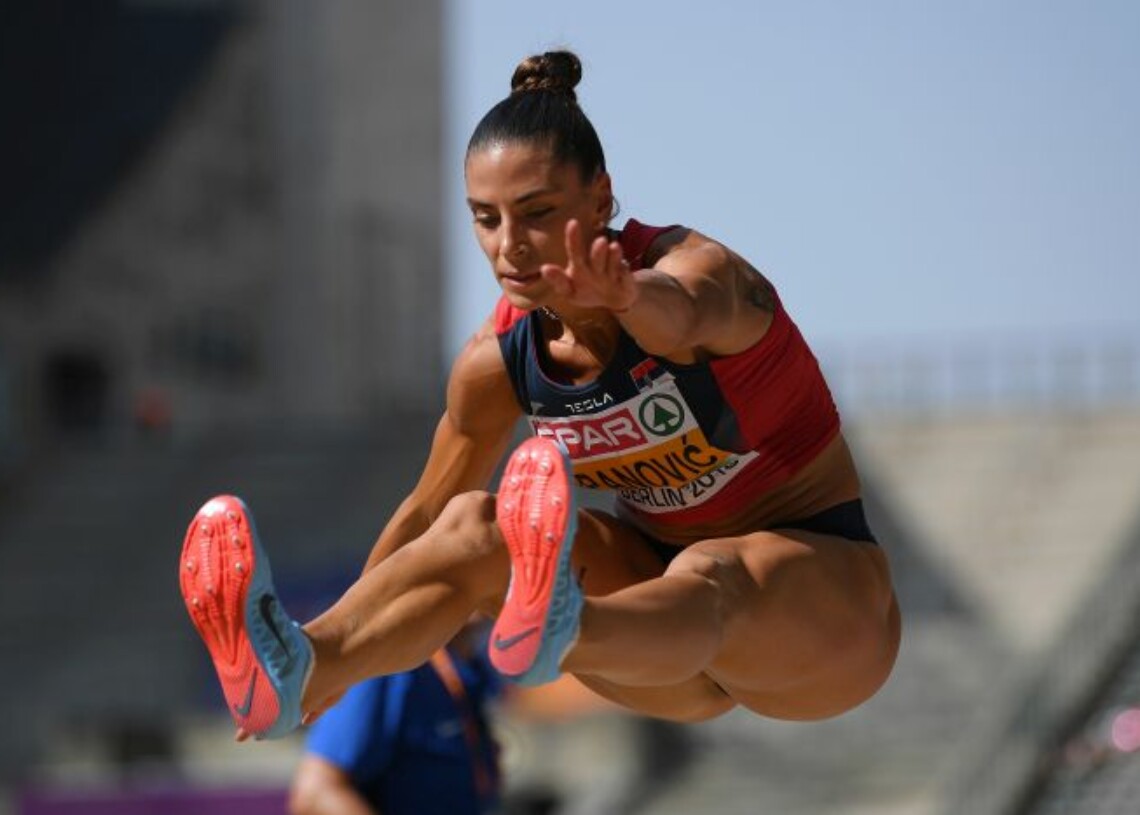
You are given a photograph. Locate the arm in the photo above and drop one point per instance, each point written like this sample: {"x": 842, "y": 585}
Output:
{"x": 322, "y": 788}
{"x": 471, "y": 437}
{"x": 698, "y": 297}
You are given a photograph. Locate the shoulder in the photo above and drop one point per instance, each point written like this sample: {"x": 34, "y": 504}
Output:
{"x": 734, "y": 304}
{"x": 686, "y": 253}
{"x": 684, "y": 250}
{"x": 479, "y": 390}
{"x": 505, "y": 316}
{"x": 641, "y": 243}
{"x": 481, "y": 362}
{"x": 675, "y": 247}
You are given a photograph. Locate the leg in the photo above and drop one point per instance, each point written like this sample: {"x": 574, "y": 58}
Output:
{"x": 399, "y": 613}
{"x": 557, "y": 556}
{"x": 791, "y": 624}
{"x": 392, "y": 619}
{"x": 610, "y": 556}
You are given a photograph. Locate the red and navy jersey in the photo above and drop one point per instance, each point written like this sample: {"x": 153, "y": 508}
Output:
{"x": 681, "y": 443}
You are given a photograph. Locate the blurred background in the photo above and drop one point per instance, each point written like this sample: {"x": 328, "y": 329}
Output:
{"x": 234, "y": 258}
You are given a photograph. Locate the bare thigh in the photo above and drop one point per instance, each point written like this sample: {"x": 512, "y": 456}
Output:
{"x": 811, "y": 626}
{"x": 609, "y": 555}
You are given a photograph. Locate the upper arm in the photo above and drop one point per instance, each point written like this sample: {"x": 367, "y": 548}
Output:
{"x": 479, "y": 421}
{"x": 481, "y": 401}
{"x": 731, "y": 303}
{"x": 470, "y": 439}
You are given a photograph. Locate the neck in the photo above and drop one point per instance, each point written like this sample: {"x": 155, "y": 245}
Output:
{"x": 593, "y": 332}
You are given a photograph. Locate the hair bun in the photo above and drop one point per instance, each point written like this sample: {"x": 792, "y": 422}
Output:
{"x": 555, "y": 71}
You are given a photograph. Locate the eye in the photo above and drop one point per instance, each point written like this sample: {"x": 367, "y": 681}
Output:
{"x": 486, "y": 220}
{"x": 540, "y": 213}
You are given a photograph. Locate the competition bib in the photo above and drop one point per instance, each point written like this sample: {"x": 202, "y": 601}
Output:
{"x": 649, "y": 449}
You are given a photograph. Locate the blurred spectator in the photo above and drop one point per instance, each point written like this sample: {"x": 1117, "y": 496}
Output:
{"x": 413, "y": 742}
{"x": 153, "y": 413}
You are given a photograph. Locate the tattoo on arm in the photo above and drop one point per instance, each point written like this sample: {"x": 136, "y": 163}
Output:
{"x": 760, "y": 292}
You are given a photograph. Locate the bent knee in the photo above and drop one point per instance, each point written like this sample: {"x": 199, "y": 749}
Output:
{"x": 467, "y": 523}
{"x": 706, "y": 560}
{"x": 724, "y": 573}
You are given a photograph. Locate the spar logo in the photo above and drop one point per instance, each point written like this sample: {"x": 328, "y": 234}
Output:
{"x": 593, "y": 434}
{"x": 661, "y": 414}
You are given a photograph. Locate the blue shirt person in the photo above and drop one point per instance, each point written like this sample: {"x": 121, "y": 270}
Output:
{"x": 412, "y": 742}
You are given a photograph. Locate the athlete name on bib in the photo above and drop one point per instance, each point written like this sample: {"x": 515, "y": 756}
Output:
{"x": 649, "y": 449}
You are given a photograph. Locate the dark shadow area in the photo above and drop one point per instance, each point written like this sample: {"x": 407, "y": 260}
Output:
{"x": 85, "y": 87}
{"x": 76, "y": 388}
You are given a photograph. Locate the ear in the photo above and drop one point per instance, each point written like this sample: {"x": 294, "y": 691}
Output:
{"x": 603, "y": 195}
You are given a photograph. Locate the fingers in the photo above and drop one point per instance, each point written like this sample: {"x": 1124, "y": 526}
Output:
{"x": 558, "y": 279}
{"x": 615, "y": 261}
{"x": 608, "y": 265}
{"x": 599, "y": 252}
{"x": 594, "y": 273}
{"x": 575, "y": 256}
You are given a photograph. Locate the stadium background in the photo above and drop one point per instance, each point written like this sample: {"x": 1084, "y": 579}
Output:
{"x": 227, "y": 263}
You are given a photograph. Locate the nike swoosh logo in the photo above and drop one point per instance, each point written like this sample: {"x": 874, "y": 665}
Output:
{"x": 244, "y": 708}
{"x": 265, "y": 606}
{"x": 506, "y": 643}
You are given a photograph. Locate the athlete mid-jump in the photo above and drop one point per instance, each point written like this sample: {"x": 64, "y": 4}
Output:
{"x": 737, "y": 567}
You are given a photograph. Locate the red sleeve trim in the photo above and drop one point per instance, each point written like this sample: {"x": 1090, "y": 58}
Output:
{"x": 636, "y": 238}
{"x": 506, "y": 315}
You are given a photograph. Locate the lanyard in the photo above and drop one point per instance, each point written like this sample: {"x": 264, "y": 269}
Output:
{"x": 444, "y": 666}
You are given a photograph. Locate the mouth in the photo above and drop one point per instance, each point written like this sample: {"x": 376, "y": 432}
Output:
{"x": 519, "y": 280}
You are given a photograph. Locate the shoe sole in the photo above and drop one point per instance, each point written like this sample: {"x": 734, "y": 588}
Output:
{"x": 221, "y": 561}
{"x": 535, "y": 512}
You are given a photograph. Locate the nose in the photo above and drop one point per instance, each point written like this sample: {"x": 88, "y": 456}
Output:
{"x": 512, "y": 242}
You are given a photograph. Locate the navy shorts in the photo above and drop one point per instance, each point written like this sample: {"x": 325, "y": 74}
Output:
{"x": 846, "y": 520}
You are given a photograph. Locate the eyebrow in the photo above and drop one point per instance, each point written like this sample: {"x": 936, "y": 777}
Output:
{"x": 522, "y": 199}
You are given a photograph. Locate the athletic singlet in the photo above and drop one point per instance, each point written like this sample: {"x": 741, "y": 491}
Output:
{"x": 679, "y": 443}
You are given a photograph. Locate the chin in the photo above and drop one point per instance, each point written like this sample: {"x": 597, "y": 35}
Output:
{"x": 520, "y": 300}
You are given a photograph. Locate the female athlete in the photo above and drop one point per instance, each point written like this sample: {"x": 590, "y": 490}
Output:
{"x": 736, "y": 568}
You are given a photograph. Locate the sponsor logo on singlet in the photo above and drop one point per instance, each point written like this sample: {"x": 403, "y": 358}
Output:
{"x": 649, "y": 449}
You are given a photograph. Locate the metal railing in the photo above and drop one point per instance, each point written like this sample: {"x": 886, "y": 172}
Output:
{"x": 943, "y": 378}
{"x": 1034, "y": 712}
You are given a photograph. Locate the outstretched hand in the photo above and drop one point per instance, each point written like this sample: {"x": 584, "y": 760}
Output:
{"x": 596, "y": 276}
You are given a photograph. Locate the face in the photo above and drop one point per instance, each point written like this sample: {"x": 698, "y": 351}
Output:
{"x": 521, "y": 200}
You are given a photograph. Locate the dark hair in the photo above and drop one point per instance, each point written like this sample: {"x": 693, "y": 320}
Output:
{"x": 543, "y": 109}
